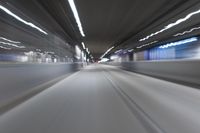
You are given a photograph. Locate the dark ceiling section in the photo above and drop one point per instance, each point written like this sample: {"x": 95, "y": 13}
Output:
{"x": 60, "y": 11}
{"x": 32, "y": 39}
{"x": 37, "y": 14}
{"x": 179, "y": 10}
{"x": 105, "y": 22}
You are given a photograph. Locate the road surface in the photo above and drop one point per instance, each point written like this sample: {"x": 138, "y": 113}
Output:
{"x": 106, "y": 99}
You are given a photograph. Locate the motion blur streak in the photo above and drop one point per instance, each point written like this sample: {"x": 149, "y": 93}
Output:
{"x": 172, "y": 25}
{"x": 10, "y": 44}
{"x": 5, "y": 48}
{"x": 5, "y": 39}
{"x": 179, "y": 42}
{"x": 186, "y": 32}
{"x": 75, "y": 12}
{"x": 107, "y": 51}
{"x": 21, "y": 20}
{"x": 147, "y": 44}
{"x": 83, "y": 45}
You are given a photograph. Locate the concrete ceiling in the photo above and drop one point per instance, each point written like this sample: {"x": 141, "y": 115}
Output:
{"x": 107, "y": 22}
{"x": 113, "y": 22}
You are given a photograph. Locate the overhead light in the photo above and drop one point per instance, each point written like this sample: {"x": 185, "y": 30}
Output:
{"x": 118, "y": 51}
{"x": 130, "y": 50}
{"x": 5, "y": 48}
{"x": 193, "y": 39}
{"x": 76, "y": 16}
{"x": 107, "y": 52}
{"x": 169, "y": 26}
{"x": 11, "y": 44}
{"x": 5, "y": 39}
{"x": 38, "y": 50}
{"x": 87, "y": 50}
{"x": 21, "y": 20}
{"x": 113, "y": 57}
{"x": 186, "y": 32}
{"x": 83, "y": 45}
{"x": 103, "y": 60}
{"x": 51, "y": 52}
{"x": 147, "y": 44}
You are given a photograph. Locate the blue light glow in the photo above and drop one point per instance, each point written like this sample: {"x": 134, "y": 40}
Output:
{"x": 193, "y": 39}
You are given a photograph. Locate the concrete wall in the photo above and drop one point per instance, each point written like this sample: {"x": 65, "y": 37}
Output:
{"x": 17, "y": 79}
{"x": 184, "y": 71}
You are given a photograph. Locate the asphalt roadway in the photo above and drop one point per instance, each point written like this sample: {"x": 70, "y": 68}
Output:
{"x": 106, "y": 99}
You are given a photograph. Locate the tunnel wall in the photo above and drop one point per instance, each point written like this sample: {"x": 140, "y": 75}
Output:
{"x": 183, "y": 71}
{"x": 18, "y": 79}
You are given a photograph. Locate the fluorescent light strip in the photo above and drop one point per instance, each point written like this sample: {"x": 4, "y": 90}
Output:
{"x": 5, "y": 39}
{"x": 118, "y": 51}
{"x": 104, "y": 60}
{"x": 38, "y": 50}
{"x": 83, "y": 45}
{"x": 186, "y": 32}
{"x": 193, "y": 39}
{"x": 130, "y": 50}
{"x": 87, "y": 50}
{"x": 75, "y": 12}
{"x": 107, "y": 52}
{"x": 21, "y": 20}
{"x": 179, "y": 21}
{"x": 5, "y": 48}
{"x": 147, "y": 44}
{"x": 10, "y": 44}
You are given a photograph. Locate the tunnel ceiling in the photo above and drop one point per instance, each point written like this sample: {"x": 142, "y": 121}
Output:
{"x": 107, "y": 23}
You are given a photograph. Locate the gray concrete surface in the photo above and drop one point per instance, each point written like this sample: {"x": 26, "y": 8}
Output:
{"x": 18, "y": 79}
{"x": 180, "y": 71}
{"x": 105, "y": 99}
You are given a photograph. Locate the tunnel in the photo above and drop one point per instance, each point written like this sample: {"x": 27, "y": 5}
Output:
{"x": 99, "y": 66}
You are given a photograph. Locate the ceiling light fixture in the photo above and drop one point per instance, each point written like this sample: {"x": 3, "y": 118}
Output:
{"x": 10, "y": 44}
{"x": 107, "y": 52}
{"x": 118, "y": 51}
{"x": 179, "y": 21}
{"x": 103, "y": 60}
{"x": 87, "y": 50}
{"x": 5, "y": 48}
{"x": 5, "y": 39}
{"x": 130, "y": 50}
{"x": 75, "y": 12}
{"x": 147, "y": 44}
{"x": 186, "y": 32}
{"x": 21, "y": 20}
{"x": 83, "y": 45}
{"x": 193, "y": 39}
